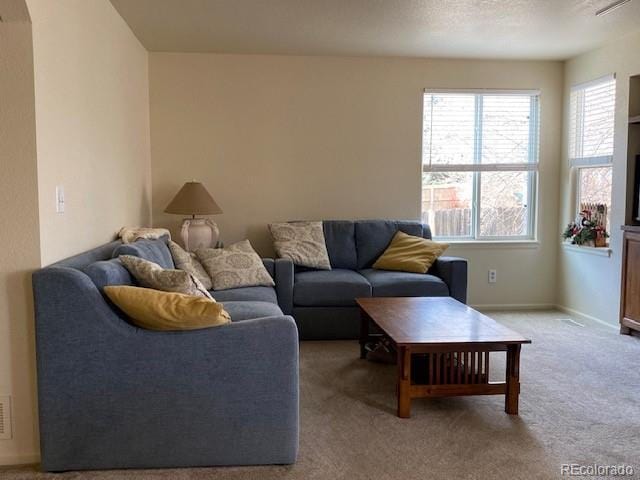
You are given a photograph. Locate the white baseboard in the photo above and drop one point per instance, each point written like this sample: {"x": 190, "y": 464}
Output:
{"x": 513, "y": 306}
{"x": 584, "y": 316}
{"x": 10, "y": 460}
{"x": 542, "y": 306}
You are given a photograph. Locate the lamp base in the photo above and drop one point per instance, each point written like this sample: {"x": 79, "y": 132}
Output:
{"x": 199, "y": 233}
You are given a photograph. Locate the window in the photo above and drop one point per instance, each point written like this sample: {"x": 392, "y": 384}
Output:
{"x": 592, "y": 118}
{"x": 480, "y": 164}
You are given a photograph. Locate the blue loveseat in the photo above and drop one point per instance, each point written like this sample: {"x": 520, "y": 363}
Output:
{"x": 323, "y": 301}
{"x": 115, "y": 396}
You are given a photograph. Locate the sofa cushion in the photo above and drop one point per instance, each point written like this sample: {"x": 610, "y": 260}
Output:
{"x": 247, "y": 310}
{"x": 108, "y": 272}
{"x": 155, "y": 251}
{"x": 340, "y": 237}
{"x": 151, "y": 275}
{"x": 374, "y": 236}
{"x": 84, "y": 259}
{"x": 157, "y": 310}
{"x": 403, "y": 284}
{"x": 302, "y": 242}
{"x": 331, "y": 288}
{"x": 235, "y": 266}
{"x": 188, "y": 262}
{"x": 408, "y": 253}
{"x": 259, "y": 294}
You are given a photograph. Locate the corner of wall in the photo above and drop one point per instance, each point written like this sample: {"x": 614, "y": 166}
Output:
{"x": 19, "y": 223}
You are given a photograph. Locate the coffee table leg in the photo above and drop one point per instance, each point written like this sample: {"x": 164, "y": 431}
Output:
{"x": 364, "y": 333}
{"x": 512, "y": 379}
{"x": 404, "y": 382}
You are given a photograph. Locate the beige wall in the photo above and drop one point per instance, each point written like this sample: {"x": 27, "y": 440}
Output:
{"x": 92, "y": 118}
{"x": 284, "y": 137}
{"x": 90, "y": 109}
{"x": 20, "y": 252}
{"x": 591, "y": 284}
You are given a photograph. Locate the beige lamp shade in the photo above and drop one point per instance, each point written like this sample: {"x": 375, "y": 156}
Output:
{"x": 193, "y": 199}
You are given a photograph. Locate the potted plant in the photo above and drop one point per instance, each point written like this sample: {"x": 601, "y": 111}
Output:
{"x": 586, "y": 232}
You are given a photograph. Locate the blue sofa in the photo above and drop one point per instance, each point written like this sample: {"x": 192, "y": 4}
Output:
{"x": 323, "y": 301}
{"x": 115, "y": 396}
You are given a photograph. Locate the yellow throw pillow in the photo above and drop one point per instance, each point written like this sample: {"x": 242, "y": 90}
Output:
{"x": 157, "y": 310}
{"x": 407, "y": 253}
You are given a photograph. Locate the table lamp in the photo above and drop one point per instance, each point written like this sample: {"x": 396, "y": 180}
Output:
{"x": 194, "y": 199}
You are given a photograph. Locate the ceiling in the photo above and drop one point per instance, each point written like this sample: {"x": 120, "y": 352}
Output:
{"x": 522, "y": 29}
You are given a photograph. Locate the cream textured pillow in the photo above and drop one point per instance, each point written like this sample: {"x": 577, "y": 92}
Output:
{"x": 156, "y": 310}
{"x": 189, "y": 263}
{"x": 302, "y": 242}
{"x": 237, "y": 265}
{"x": 152, "y": 275}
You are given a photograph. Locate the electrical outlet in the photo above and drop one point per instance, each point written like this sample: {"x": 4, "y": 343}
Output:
{"x": 59, "y": 199}
{"x": 5, "y": 417}
{"x": 493, "y": 276}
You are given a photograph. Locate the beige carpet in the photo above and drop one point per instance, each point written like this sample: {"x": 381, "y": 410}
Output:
{"x": 580, "y": 403}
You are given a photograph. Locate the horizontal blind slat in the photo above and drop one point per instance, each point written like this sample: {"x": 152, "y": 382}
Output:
{"x": 481, "y": 167}
{"x": 451, "y": 131}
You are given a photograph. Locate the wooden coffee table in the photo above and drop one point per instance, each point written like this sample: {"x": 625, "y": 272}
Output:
{"x": 443, "y": 348}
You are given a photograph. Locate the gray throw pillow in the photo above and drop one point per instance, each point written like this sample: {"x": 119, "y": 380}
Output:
{"x": 237, "y": 265}
{"x": 301, "y": 242}
{"x": 152, "y": 275}
{"x": 189, "y": 263}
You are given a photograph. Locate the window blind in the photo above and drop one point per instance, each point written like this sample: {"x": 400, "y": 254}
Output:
{"x": 592, "y": 119}
{"x": 480, "y": 130}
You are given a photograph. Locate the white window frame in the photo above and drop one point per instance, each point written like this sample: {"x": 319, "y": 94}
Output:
{"x": 579, "y": 163}
{"x": 477, "y": 167}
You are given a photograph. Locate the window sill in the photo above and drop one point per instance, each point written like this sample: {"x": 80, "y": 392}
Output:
{"x": 599, "y": 251}
{"x": 492, "y": 243}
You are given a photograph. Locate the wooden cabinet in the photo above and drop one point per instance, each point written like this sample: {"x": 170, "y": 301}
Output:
{"x": 630, "y": 303}
{"x": 630, "y": 292}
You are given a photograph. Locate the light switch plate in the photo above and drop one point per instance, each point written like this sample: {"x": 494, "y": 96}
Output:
{"x": 59, "y": 199}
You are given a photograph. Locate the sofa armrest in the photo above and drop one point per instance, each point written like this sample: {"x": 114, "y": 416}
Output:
{"x": 269, "y": 264}
{"x": 284, "y": 284}
{"x": 245, "y": 370}
{"x": 230, "y": 393}
{"x": 453, "y": 271}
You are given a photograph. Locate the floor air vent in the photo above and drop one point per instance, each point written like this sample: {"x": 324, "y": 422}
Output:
{"x": 571, "y": 321}
{"x": 5, "y": 417}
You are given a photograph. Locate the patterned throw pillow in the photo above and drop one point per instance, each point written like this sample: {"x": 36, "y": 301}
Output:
{"x": 189, "y": 263}
{"x": 152, "y": 275}
{"x": 302, "y": 242}
{"x": 237, "y": 265}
